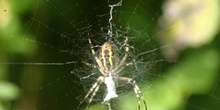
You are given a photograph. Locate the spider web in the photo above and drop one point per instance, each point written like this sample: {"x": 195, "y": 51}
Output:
{"x": 46, "y": 56}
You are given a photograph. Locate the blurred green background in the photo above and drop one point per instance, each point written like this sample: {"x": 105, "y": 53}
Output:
{"x": 186, "y": 33}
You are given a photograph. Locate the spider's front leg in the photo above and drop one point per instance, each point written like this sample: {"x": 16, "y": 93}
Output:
{"x": 122, "y": 61}
{"x": 136, "y": 90}
{"x": 98, "y": 61}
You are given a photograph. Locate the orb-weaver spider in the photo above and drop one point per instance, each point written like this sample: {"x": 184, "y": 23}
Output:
{"x": 109, "y": 65}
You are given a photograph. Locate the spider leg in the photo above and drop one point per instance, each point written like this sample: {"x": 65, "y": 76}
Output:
{"x": 94, "y": 66}
{"x": 122, "y": 68}
{"x": 101, "y": 67}
{"x": 136, "y": 90}
{"x": 125, "y": 56}
{"x": 93, "y": 90}
{"x": 93, "y": 94}
{"x": 90, "y": 65}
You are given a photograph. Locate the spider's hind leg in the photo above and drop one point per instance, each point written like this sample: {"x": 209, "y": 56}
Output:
{"x": 92, "y": 91}
{"x": 136, "y": 90}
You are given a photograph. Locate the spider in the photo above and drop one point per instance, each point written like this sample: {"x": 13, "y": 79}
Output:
{"x": 109, "y": 65}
